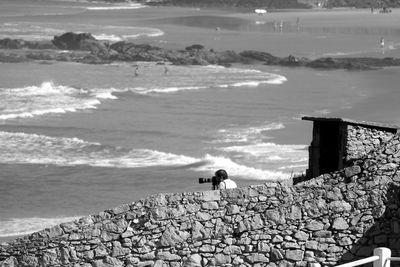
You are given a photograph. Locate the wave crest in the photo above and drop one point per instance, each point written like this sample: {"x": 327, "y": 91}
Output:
{"x": 49, "y": 98}
{"x": 25, "y": 226}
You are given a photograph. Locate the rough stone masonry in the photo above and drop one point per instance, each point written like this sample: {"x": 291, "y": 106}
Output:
{"x": 333, "y": 218}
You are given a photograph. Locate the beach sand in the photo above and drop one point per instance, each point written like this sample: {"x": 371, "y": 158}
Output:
{"x": 341, "y": 32}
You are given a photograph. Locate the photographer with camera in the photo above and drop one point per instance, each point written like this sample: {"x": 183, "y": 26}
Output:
{"x": 220, "y": 180}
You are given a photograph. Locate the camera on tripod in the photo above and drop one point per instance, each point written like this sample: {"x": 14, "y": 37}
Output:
{"x": 214, "y": 180}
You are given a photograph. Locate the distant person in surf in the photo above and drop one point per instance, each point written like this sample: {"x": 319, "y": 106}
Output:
{"x": 382, "y": 44}
{"x": 275, "y": 26}
{"x": 225, "y": 182}
{"x": 136, "y": 70}
{"x": 166, "y": 70}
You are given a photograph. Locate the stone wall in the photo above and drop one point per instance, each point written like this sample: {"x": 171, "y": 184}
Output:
{"x": 330, "y": 219}
{"x": 363, "y": 140}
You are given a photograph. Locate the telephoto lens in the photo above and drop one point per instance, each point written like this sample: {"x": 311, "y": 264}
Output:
{"x": 204, "y": 180}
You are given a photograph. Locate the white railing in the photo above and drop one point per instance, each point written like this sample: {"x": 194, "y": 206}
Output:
{"x": 381, "y": 258}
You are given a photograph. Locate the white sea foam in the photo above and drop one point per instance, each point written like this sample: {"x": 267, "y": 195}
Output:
{"x": 247, "y": 83}
{"x": 295, "y": 166}
{"x": 248, "y": 146}
{"x": 40, "y": 149}
{"x": 244, "y": 172}
{"x": 246, "y": 134}
{"x": 142, "y": 90}
{"x": 49, "y": 98}
{"x": 108, "y": 37}
{"x": 117, "y": 7}
{"x": 322, "y": 112}
{"x": 266, "y": 152}
{"x": 152, "y": 78}
{"x": 24, "y": 148}
{"x": 24, "y": 226}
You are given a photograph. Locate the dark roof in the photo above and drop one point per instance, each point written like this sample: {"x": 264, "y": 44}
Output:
{"x": 382, "y": 126}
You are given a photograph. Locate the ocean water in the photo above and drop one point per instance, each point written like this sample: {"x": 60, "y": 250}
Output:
{"x": 76, "y": 139}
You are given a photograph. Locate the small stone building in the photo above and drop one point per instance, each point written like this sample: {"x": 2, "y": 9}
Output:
{"x": 338, "y": 141}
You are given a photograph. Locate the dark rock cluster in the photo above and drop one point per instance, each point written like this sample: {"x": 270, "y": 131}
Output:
{"x": 83, "y": 47}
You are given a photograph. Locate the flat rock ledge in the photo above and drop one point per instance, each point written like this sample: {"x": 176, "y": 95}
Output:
{"x": 84, "y": 48}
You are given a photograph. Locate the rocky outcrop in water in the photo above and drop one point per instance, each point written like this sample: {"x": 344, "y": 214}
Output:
{"x": 83, "y": 47}
{"x": 8, "y": 43}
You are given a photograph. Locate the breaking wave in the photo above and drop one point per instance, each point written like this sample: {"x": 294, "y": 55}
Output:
{"x": 48, "y": 98}
{"x": 24, "y": 226}
{"x": 24, "y": 148}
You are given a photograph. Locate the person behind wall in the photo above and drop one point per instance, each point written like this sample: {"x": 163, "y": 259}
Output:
{"x": 224, "y": 181}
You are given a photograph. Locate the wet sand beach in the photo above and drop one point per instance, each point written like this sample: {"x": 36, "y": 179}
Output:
{"x": 337, "y": 32}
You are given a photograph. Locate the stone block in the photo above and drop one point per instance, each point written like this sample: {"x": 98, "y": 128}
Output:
{"x": 301, "y": 236}
{"x": 351, "y": 171}
{"x": 145, "y": 264}
{"x": 313, "y": 245}
{"x": 232, "y": 250}
{"x": 167, "y": 256}
{"x": 334, "y": 249}
{"x": 340, "y": 224}
{"x": 276, "y": 254}
{"x": 68, "y": 227}
{"x": 49, "y": 258}
{"x": 315, "y": 225}
{"x": 295, "y": 213}
{"x": 274, "y": 216}
{"x": 101, "y": 251}
{"x": 121, "y": 209}
{"x": 193, "y": 261}
{"x": 207, "y": 249}
{"x": 345, "y": 241}
{"x": 203, "y": 216}
{"x": 54, "y": 231}
{"x": 108, "y": 262}
{"x": 221, "y": 259}
{"x": 171, "y": 237}
{"x": 210, "y": 205}
{"x": 232, "y": 209}
{"x": 256, "y": 257}
{"x": 118, "y": 250}
{"x": 339, "y": 206}
{"x": 213, "y": 195}
{"x": 295, "y": 255}
{"x": 263, "y": 246}
{"x": 192, "y": 208}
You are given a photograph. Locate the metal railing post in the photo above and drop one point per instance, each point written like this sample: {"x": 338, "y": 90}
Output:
{"x": 384, "y": 255}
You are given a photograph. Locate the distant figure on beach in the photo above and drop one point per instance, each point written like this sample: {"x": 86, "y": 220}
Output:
{"x": 166, "y": 69}
{"x": 382, "y": 44}
{"x": 275, "y": 26}
{"x": 281, "y": 26}
{"x": 136, "y": 70}
{"x": 298, "y": 24}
